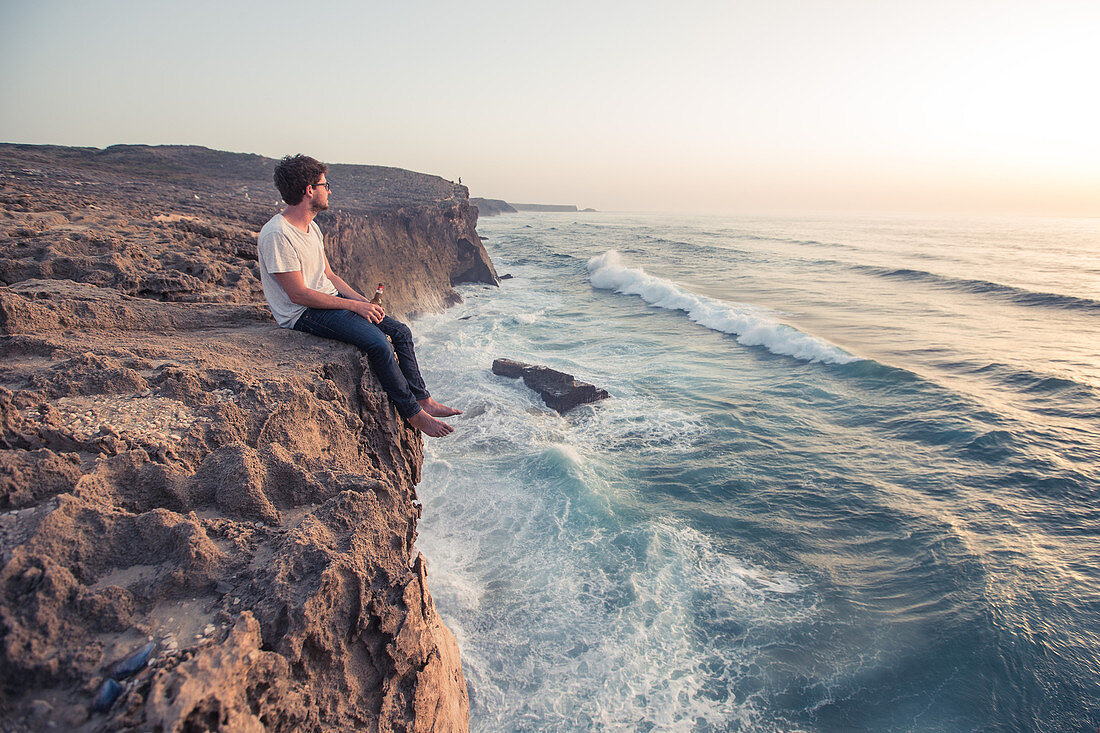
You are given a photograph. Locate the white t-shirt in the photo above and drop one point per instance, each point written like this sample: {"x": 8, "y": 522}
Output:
{"x": 283, "y": 247}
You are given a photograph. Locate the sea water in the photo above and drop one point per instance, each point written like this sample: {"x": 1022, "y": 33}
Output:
{"x": 848, "y": 477}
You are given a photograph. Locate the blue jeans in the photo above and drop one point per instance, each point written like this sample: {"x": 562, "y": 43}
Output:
{"x": 400, "y": 379}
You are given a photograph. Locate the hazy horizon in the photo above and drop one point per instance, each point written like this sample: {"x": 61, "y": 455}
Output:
{"x": 970, "y": 107}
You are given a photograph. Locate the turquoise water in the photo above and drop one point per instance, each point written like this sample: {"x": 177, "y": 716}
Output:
{"x": 847, "y": 480}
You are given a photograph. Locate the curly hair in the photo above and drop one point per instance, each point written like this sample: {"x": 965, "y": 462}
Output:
{"x": 294, "y": 173}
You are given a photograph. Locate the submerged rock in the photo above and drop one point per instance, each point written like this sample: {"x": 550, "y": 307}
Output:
{"x": 560, "y": 391}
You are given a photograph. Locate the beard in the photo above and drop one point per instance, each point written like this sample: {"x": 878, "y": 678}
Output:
{"x": 318, "y": 206}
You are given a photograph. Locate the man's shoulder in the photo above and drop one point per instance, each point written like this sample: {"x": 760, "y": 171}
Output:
{"x": 279, "y": 228}
{"x": 274, "y": 225}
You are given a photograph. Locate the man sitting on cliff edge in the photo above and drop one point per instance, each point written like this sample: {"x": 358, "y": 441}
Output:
{"x": 306, "y": 295}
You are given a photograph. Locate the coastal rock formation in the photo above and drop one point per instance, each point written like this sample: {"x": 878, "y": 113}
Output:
{"x": 496, "y": 207}
{"x": 560, "y": 391}
{"x": 419, "y": 253}
{"x": 492, "y": 207}
{"x": 175, "y": 467}
{"x": 545, "y": 207}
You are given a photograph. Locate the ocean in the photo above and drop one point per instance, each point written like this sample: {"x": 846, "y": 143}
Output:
{"x": 848, "y": 478}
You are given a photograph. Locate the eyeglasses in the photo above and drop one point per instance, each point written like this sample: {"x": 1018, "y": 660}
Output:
{"x": 323, "y": 183}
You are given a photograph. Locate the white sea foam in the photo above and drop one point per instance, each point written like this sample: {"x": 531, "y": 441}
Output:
{"x": 600, "y": 626}
{"x": 570, "y": 454}
{"x": 751, "y": 326}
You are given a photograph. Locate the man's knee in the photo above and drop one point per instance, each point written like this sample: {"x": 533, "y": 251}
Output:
{"x": 376, "y": 344}
{"x": 367, "y": 336}
{"x": 400, "y": 332}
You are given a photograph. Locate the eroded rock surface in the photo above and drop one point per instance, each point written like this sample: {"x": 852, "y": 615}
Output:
{"x": 179, "y": 223}
{"x": 175, "y": 467}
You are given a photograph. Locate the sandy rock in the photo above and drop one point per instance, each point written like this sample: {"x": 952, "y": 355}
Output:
{"x": 222, "y": 685}
{"x": 28, "y": 477}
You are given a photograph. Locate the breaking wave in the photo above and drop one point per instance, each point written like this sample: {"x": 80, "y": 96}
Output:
{"x": 752, "y": 326}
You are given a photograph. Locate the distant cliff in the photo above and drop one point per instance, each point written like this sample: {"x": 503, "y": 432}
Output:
{"x": 492, "y": 207}
{"x": 174, "y": 466}
{"x": 544, "y": 207}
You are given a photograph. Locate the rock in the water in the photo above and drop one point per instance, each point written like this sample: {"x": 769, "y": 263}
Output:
{"x": 560, "y": 391}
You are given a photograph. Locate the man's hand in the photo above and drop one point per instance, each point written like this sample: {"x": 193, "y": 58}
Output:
{"x": 370, "y": 311}
{"x": 299, "y": 294}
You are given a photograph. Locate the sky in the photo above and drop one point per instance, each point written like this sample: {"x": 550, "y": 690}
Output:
{"x": 707, "y": 106}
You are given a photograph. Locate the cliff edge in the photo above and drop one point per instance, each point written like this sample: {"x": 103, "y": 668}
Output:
{"x": 176, "y": 468}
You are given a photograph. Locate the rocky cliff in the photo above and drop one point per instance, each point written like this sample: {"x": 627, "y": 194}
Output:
{"x": 175, "y": 468}
{"x": 492, "y": 207}
{"x": 545, "y": 207}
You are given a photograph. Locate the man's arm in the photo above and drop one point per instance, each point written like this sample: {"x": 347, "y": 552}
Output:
{"x": 345, "y": 290}
{"x": 299, "y": 294}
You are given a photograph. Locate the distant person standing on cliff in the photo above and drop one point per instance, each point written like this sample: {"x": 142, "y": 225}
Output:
{"x": 306, "y": 295}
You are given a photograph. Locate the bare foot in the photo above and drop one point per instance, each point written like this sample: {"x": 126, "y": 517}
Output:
{"x": 428, "y": 425}
{"x": 435, "y": 409}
